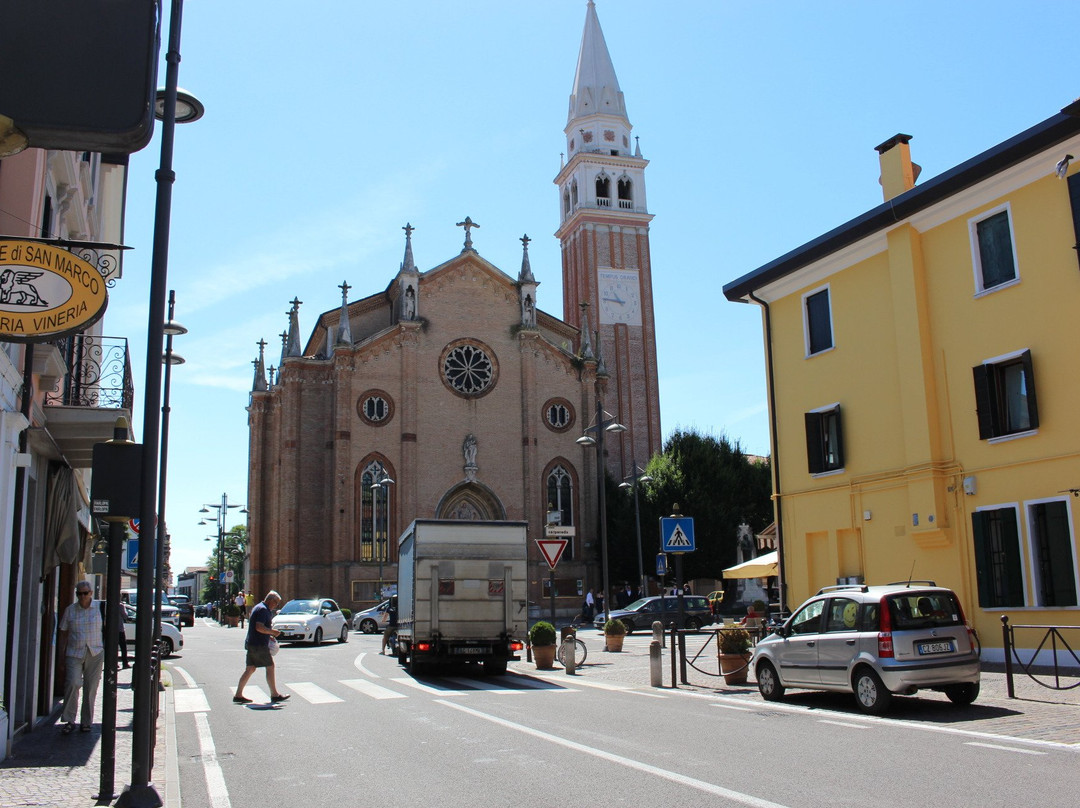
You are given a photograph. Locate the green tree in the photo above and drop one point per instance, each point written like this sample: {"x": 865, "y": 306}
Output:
{"x": 235, "y": 551}
{"x": 713, "y": 481}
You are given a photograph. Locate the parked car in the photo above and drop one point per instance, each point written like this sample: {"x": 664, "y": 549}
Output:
{"x": 187, "y": 611}
{"x": 374, "y": 619}
{"x": 873, "y": 641}
{"x": 642, "y": 613}
{"x": 311, "y": 621}
{"x": 171, "y": 638}
{"x": 169, "y": 613}
{"x": 204, "y": 610}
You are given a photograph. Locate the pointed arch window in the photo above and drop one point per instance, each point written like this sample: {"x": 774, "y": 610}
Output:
{"x": 560, "y": 498}
{"x": 603, "y": 190}
{"x": 573, "y": 194}
{"x": 626, "y": 193}
{"x": 566, "y": 201}
{"x": 375, "y": 513}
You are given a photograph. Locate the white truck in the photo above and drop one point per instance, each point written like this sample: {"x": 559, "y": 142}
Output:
{"x": 462, "y": 593}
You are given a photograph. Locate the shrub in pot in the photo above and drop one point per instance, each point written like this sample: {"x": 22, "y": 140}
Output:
{"x": 542, "y": 639}
{"x": 614, "y": 634}
{"x": 734, "y": 655}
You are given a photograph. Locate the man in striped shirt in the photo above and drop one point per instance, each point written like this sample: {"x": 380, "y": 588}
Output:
{"x": 84, "y": 654}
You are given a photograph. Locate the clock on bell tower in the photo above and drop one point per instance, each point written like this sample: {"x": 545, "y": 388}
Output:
{"x": 604, "y": 233}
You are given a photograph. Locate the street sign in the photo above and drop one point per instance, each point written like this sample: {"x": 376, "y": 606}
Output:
{"x": 661, "y": 565}
{"x": 134, "y": 525}
{"x": 132, "y": 554}
{"x": 677, "y": 533}
{"x": 558, "y": 530}
{"x": 228, "y": 576}
{"x": 552, "y": 550}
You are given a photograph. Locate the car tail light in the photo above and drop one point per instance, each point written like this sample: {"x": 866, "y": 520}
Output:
{"x": 423, "y": 646}
{"x": 884, "y": 637}
{"x": 516, "y": 645}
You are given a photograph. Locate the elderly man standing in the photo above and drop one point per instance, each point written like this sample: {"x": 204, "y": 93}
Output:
{"x": 259, "y": 633}
{"x": 84, "y": 654}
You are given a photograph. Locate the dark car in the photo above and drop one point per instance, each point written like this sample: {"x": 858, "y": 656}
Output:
{"x": 642, "y": 613}
{"x": 187, "y": 610}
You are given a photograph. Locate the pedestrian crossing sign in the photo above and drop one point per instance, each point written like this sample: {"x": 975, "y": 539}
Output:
{"x": 677, "y": 534}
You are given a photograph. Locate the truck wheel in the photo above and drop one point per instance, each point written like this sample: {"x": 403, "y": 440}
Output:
{"x": 494, "y": 667}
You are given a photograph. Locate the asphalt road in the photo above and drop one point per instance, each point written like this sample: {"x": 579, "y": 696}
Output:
{"x": 359, "y": 730}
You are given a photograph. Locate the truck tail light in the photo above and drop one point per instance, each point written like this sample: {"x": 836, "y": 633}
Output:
{"x": 423, "y": 647}
{"x": 884, "y": 637}
{"x": 516, "y": 645}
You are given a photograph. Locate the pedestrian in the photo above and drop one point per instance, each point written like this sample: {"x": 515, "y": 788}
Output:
{"x": 391, "y": 624}
{"x": 590, "y": 606}
{"x": 599, "y": 602}
{"x": 686, "y": 589}
{"x": 249, "y": 601}
{"x": 626, "y": 597}
{"x": 83, "y": 651}
{"x": 238, "y": 601}
{"x": 259, "y": 634}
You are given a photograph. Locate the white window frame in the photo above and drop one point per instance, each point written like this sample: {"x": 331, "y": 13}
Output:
{"x": 1036, "y": 593}
{"x": 806, "y": 322}
{"x": 840, "y": 436}
{"x": 1022, "y": 535}
{"x": 1012, "y": 356}
{"x": 976, "y": 257}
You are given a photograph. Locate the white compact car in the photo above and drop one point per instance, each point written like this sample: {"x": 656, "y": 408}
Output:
{"x": 374, "y": 619}
{"x": 311, "y": 621}
{"x": 171, "y": 638}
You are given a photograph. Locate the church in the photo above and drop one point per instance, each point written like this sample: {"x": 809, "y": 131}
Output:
{"x": 451, "y": 394}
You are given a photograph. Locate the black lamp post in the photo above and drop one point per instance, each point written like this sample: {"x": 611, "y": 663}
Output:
{"x": 140, "y": 792}
{"x": 380, "y": 546}
{"x": 599, "y": 427}
{"x": 222, "y": 514}
{"x": 632, "y": 481}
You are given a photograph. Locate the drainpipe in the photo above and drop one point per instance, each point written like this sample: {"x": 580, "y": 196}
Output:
{"x": 769, "y": 377}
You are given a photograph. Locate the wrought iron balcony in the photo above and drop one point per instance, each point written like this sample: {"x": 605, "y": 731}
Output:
{"x": 99, "y": 373}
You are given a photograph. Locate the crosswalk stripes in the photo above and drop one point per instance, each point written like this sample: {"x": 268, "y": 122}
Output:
{"x": 312, "y": 693}
{"x": 372, "y": 690}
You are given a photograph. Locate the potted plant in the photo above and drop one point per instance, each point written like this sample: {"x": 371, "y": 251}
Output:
{"x": 231, "y": 613}
{"x": 614, "y": 634}
{"x": 542, "y": 642}
{"x": 734, "y": 655}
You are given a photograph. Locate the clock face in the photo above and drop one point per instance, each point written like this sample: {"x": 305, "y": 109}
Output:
{"x": 620, "y": 296}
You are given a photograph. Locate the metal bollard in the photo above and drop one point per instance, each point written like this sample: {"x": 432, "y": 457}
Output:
{"x": 569, "y": 646}
{"x": 656, "y": 666}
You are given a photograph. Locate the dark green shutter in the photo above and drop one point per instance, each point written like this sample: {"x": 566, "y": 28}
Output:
{"x": 984, "y": 400}
{"x": 1029, "y": 384}
{"x": 1074, "y": 200}
{"x": 1061, "y": 562}
{"x": 839, "y": 440}
{"x": 815, "y": 451}
{"x": 1014, "y": 571}
{"x": 982, "y": 559}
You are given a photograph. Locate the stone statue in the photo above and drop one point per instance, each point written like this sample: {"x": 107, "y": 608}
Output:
{"x": 468, "y": 448}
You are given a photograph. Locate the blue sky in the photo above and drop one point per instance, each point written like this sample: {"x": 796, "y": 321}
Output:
{"x": 331, "y": 124}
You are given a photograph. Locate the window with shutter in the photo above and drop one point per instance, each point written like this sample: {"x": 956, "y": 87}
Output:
{"x": 818, "y": 322}
{"x": 998, "y": 569}
{"x": 992, "y": 250}
{"x": 824, "y": 440}
{"x": 1005, "y": 402}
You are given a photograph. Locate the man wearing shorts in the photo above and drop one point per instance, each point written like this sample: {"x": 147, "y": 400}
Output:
{"x": 259, "y": 632}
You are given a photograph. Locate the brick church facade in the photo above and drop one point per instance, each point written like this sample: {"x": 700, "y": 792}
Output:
{"x": 450, "y": 394}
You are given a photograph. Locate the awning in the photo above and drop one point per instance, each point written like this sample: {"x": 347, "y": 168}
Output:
{"x": 763, "y": 566}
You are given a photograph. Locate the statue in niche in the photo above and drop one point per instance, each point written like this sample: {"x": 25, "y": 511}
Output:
{"x": 410, "y": 303}
{"x": 468, "y": 448}
{"x": 528, "y": 312}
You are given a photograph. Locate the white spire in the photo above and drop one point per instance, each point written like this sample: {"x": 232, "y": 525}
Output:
{"x": 596, "y": 88}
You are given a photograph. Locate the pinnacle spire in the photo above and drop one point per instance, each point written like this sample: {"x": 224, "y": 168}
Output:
{"x": 407, "y": 264}
{"x": 259, "y": 384}
{"x": 596, "y": 87}
{"x": 526, "y": 275}
{"x": 344, "y": 332}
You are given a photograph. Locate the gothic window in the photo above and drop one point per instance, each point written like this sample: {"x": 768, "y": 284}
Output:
{"x": 573, "y": 194}
{"x": 375, "y": 518}
{"x": 566, "y": 201}
{"x": 469, "y": 368}
{"x": 560, "y": 499}
{"x": 603, "y": 191}
{"x": 626, "y": 193}
{"x": 375, "y": 408}
{"x": 558, "y": 414}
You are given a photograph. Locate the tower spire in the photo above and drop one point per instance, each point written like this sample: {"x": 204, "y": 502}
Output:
{"x": 596, "y": 87}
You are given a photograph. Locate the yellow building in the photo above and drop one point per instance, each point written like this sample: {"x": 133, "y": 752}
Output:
{"x": 923, "y": 382}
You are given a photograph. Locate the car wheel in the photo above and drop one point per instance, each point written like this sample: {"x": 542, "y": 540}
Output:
{"x": 768, "y": 682}
{"x": 870, "y": 692}
{"x": 317, "y": 640}
{"x": 963, "y": 694}
{"x": 344, "y": 634}
{"x": 166, "y": 647}
{"x": 368, "y": 626}
{"x": 629, "y": 626}
{"x": 693, "y": 624}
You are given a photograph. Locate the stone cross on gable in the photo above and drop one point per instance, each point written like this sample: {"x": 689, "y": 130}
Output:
{"x": 295, "y": 305}
{"x": 468, "y": 224}
{"x": 344, "y": 287}
{"x": 525, "y": 241}
{"x": 262, "y": 346}
{"x": 408, "y": 228}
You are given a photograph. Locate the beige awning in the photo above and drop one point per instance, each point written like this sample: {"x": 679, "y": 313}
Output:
{"x": 763, "y": 566}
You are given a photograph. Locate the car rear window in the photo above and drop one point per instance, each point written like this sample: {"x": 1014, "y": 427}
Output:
{"x": 915, "y": 610}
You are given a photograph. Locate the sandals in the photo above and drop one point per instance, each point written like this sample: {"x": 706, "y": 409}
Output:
{"x": 68, "y": 728}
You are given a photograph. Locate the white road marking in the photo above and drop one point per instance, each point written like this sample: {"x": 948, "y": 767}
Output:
{"x": 373, "y": 690}
{"x": 843, "y": 724}
{"x": 187, "y": 676}
{"x": 732, "y": 707}
{"x": 359, "y": 664}
{"x": 488, "y": 687}
{"x": 215, "y": 780}
{"x": 312, "y": 693}
{"x": 577, "y": 681}
{"x": 190, "y": 701}
{"x": 256, "y": 694}
{"x": 438, "y": 691}
{"x": 675, "y": 777}
{"x": 1004, "y": 748}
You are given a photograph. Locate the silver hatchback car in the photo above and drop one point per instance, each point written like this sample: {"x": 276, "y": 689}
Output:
{"x": 873, "y": 641}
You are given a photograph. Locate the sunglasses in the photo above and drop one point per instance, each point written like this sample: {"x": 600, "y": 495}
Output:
{"x": 85, "y": 592}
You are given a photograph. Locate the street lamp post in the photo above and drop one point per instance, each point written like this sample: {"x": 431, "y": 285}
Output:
{"x": 599, "y": 427}
{"x": 222, "y": 514}
{"x": 140, "y": 792}
{"x": 380, "y": 551}
{"x": 632, "y": 481}
{"x": 170, "y": 358}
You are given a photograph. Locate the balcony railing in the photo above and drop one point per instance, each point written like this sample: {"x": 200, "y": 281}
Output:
{"x": 99, "y": 373}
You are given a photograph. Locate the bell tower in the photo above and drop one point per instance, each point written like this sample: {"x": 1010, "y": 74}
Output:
{"x": 604, "y": 233}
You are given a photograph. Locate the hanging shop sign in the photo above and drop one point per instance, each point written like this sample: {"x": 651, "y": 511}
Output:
{"x": 46, "y": 292}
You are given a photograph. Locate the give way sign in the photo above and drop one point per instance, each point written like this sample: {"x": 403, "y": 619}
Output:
{"x": 552, "y": 550}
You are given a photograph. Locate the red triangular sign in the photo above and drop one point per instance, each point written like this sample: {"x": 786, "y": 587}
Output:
{"x": 552, "y": 550}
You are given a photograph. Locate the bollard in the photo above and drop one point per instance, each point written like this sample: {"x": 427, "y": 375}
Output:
{"x": 569, "y": 646}
{"x": 656, "y": 667}
{"x": 658, "y": 632}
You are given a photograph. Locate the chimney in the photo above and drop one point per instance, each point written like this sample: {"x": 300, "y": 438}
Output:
{"x": 898, "y": 173}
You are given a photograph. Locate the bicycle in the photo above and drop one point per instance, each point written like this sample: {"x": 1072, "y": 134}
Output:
{"x": 580, "y": 653}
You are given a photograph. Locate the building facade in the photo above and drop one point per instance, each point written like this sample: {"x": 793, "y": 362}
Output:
{"x": 452, "y": 394}
{"x": 921, "y": 381}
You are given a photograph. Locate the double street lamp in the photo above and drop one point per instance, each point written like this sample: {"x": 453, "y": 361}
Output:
{"x": 222, "y": 514}
{"x": 382, "y": 484}
{"x": 632, "y": 481}
{"x": 594, "y": 436}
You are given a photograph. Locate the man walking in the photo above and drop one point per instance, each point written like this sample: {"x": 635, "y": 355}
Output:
{"x": 84, "y": 655}
{"x": 259, "y": 634}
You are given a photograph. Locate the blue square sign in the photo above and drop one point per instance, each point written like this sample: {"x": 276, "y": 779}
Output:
{"x": 677, "y": 534}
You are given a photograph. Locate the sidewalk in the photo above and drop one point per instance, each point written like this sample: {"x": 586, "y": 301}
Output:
{"x": 50, "y": 769}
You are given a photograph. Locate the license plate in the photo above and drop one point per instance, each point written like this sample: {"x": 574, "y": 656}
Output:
{"x": 470, "y": 650}
{"x": 936, "y": 647}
